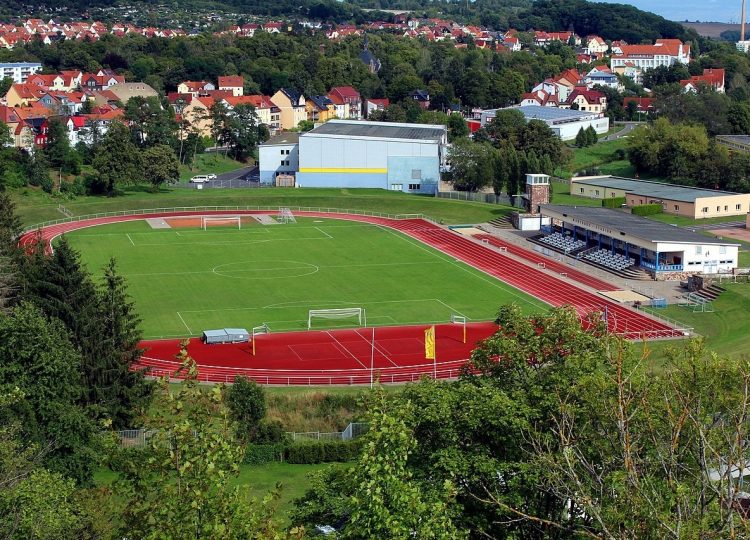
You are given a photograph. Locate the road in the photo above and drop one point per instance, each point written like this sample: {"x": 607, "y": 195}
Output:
{"x": 624, "y": 132}
{"x": 239, "y": 178}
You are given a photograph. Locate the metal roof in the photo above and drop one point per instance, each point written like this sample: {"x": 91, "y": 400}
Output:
{"x": 654, "y": 190}
{"x": 553, "y": 114}
{"x": 283, "y": 138}
{"x": 620, "y": 222}
{"x": 738, "y": 139}
{"x": 381, "y": 130}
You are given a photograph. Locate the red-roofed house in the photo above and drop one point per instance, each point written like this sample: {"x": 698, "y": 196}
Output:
{"x": 22, "y": 95}
{"x": 711, "y": 78}
{"x": 643, "y": 105}
{"x": 232, "y": 83}
{"x": 348, "y": 102}
{"x": 542, "y": 39}
{"x": 195, "y": 87}
{"x": 595, "y": 45}
{"x": 376, "y": 104}
{"x": 541, "y": 98}
{"x": 665, "y": 52}
{"x": 586, "y": 100}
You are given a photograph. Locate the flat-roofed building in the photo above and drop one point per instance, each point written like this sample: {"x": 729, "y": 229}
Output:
{"x": 665, "y": 251}
{"x": 736, "y": 143}
{"x": 19, "y": 71}
{"x": 566, "y": 123}
{"x": 687, "y": 201}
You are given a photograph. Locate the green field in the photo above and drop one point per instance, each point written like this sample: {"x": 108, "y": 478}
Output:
{"x": 186, "y": 280}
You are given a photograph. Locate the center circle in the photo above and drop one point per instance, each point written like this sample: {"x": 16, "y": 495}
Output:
{"x": 265, "y": 269}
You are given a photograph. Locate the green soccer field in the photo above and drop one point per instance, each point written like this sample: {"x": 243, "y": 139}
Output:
{"x": 186, "y": 280}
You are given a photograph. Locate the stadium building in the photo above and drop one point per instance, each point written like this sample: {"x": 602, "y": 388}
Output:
{"x": 620, "y": 241}
{"x": 691, "y": 202}
{"x": 566, "y": 123}
{"x": 361, "y": 154}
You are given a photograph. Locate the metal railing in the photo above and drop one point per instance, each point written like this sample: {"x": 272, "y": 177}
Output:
{"x": 208, "y": 209}
{"x": 351, "y": 432}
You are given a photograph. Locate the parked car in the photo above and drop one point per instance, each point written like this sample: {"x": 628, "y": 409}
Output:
{"x": 199, "y": 179}
{"x": 211, "y": 176}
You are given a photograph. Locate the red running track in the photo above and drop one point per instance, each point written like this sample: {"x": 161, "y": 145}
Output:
{"x": 344, "y": 356}
{"x": 549, "y": 264}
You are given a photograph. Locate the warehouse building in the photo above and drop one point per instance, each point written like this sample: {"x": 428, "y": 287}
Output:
{"x": 279, "y": 155}
{"x": 566, "y": 123}
{"x": 361, "y": 154}
{"x": 608, "y": 236}
{"x": 691, "y": 202}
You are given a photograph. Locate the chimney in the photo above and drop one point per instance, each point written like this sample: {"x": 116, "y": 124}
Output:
{"x": 742, "y": 27}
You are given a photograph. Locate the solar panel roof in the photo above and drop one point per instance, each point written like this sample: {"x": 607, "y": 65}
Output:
{"x": 379, "y": 130}
{"x": 636, "y": 226}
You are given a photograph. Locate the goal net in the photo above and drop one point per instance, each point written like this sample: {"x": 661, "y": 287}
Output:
{"x": 220, "y": 221}
{"x": 341, "y": 313}
{"x": 285, "y": 216}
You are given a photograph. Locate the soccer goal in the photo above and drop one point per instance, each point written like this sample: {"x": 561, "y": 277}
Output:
{"x": 341, "y": 313}
{"x": 285, "y": 216}
{"x": 460, "y": 320}
{"x": 219, "y": 221}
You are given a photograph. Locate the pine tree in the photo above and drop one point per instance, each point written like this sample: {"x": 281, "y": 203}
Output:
{"x": 581, "y": 138}
{"x": 532, "y": 163}
{"x": 546, "y": 165}
{"x": 501, "y": 174}
{"x": 10, "y": 228}
{"x": 591, "y": 136}
{"x": 514, "y": 171}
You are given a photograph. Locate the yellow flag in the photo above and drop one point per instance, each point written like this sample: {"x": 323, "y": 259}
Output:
{"x": 429, "y": 343}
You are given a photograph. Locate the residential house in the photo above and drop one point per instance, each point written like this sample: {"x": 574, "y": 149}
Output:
{"x": 70, "y": 80}
{"x": 596, "y": 45}
{"x": 633, "y": 60}
{"x": 422, "y": 97}
{"x": 63, "y": 103}
{"x": 540, "y": 97}
{"x": 513, "y": 43}
{"x": 369, "y": 59}
{"x": 92, "y": 81}
{"x": 125, "y": 91}
{"x": 348, "y": 102}
{"x": 22, "y": 95}
{"x": 320, "y": 109}
{"x": 267, "y": 111}
{"x": 712, "y": 78}
{"x": 195, "y": 88}
{"x": 232, "y": 83}
{"x": 642, "y": 105}
{"x": 292, "y": 106}
{"x": 197, "y": 114}
{"x": 583, "y": 99}
{"x": 542, "y": 39}
{"x": 376, "y": 104}
{"x": 602, "y": 76}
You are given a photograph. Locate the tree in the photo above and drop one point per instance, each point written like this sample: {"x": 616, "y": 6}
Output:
{"x": 150, "y": 123}
{"x": 387, "y": 501}
{"x": 515, "y": 171}
{"x": 591, "y": 136}
{"x": 502, "y": 172}
{"x": 160, "y": 165}
{"x": 472, "y": 164}
{"x": 457, "y": 127}
{"x": 58, "y": 144}
{"x": 10, "y": 228}
{"x": 246, "y": 401}
{"x": 243, "y": 136}
{"x": 179, "y": 486}
{"x": 116, "y": 159}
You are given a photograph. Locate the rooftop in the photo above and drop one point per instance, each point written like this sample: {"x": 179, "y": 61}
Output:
{"x": 659, "y": 190}
{"x": 284, "y": 137}
{"x": 638, "y": 227}
{"x": 384, "y": 130}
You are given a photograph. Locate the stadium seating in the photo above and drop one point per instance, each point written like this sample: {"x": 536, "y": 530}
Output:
{"x": 606, "y": 258}
{"x": 563, "y": 243}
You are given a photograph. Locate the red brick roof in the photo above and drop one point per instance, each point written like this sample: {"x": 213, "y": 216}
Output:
{"x": 231, "y": 81}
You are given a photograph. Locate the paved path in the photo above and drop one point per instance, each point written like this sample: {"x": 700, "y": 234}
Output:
{"x": 624, "y": 132}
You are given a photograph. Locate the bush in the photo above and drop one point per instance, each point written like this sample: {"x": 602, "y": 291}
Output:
{"x": 94, "y": 184}
{"x": 270, "y": 431}
{"x": 322, "y": 452}
{"x": 647, "y": 209}
{"x": 246, "y": 401}
{"x": 258, "y": 454}
{"x": 613, "y": 202}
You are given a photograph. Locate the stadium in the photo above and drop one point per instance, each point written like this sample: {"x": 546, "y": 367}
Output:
{"x": 327, "y": 296}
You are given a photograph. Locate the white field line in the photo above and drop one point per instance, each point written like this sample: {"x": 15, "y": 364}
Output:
{"x": 183, "y": 322}
{"x": 321, "y": 230}
{"x": 131, "y": 240}
{"x": 374, "y": 344}
{"x": 451, "y": 308}
{"x": 304, "y": 305}
{"x": 345, "y": 349}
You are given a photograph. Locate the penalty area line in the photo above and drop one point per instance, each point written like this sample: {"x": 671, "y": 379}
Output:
{"x": 131, "y": 240}
{"x": 183, "y": 322}
{"x": 325, "y": 233}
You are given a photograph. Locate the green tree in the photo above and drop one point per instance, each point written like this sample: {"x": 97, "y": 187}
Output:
{"x": 246, "y": 401}
{"x": 160, "y": 166}
{"x": 116, "y": 159}
{"x": 58, "y": 144}
{"x": 180, "y": 485}
{"x": 472, "y": 164}
{"x": 457, "y": 127}
{"x": 591, "y": 137}
{"x": 243, "y": 136}
{"x": 387, "y": 501}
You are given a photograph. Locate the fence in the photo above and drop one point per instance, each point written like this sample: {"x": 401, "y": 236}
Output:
{"x": 515, "y": 201}
{"x": 351, "y": 432}
{"x": 134, "y": 438}
{"x": 209, "y": 209}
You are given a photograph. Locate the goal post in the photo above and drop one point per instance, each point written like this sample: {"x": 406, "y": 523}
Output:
{"x": 460, "y": 319}
{"x": 206, "y": 221}
{"x": 286, "y": 216}
{"x": 339, "y": 313}
{"x": 259, "y": 330}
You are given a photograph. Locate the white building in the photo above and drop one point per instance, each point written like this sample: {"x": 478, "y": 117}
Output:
{"x": 279, "y": 155}
{"x": 19, "y": 71}
{"x": 632, "y": 60}
{"x": 566, "y": 123}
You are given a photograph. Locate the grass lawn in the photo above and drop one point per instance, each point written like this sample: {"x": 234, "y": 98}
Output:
{"x": 725, "y": 329}
{"x": 184, "y": 280}
{"x": 683, "y": 221}
{"x": 35, "y": 206}
{"x": 261, "y": 479}
{"x": 209, "y": 163}
{"x": 596, "y": 155}
{"x": 561, "y": 195}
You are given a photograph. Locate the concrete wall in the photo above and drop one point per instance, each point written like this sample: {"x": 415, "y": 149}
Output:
{"x": 705, "y": 207}
{"x": 271, "y": 158}
{"x": 594, "y": 192}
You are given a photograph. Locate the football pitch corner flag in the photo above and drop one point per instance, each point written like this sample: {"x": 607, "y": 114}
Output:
{"x": 429, "y": 343}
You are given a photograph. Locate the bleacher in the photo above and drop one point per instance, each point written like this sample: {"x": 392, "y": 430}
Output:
{"x": 606, "y": 258}
{"x": 562, "y": 243}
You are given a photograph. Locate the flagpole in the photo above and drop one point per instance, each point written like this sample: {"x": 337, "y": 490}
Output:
{"x": 372, "y": 357}
{"x": 434, "y": 357}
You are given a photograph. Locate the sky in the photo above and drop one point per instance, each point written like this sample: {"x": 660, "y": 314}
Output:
{"x": 691, "y": 10}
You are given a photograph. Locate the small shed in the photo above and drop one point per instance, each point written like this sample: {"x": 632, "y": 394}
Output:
{"x": 225, "y": 335}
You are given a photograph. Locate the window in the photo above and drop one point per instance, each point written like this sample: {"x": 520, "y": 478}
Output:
{"x": 282, "y": 152}
{"x": 722, "y": 250}
{"x": 416, "y": 174}
{"x": 738, "y": 207}
{"x": 676, "y": 206}
{"x": 726, "y": 208}
{"x": 699, "y": 250}
{"x": 718, "y": 208}
{"x": 705, "y": 209}
{"x": 414, "y": 187}
{"x": 397, "y": 187}
{"x": 597, "y": 192}
{"x": 581, "y": 190}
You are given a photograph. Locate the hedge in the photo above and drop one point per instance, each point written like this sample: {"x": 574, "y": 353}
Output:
{"x": 322, "y": 452}
{"x": 647, "y": 209}
{"x": 258, "y": 454}
{"x": 613, "y": 202}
